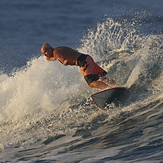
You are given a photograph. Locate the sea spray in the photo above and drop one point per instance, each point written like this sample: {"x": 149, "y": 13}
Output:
{"x": 110, "y": 36}
{"x": 44, "y": 98}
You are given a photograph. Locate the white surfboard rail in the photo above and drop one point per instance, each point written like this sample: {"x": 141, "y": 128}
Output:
{"x": 107, "y": 96}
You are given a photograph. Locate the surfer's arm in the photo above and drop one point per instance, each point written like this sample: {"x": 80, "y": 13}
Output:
{"x": 64, "y": 62}
{"x": 50, "y": 59}
{"x": 62, "y": 59}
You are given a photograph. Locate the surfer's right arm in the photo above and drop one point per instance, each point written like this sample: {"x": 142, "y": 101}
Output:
{"x": 60, "y": 56}
{"x": 64, "y": 62}
{"x": 50, "y": 59}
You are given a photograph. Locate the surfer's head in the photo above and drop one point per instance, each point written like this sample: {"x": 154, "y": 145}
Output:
{"x": 47, "y": 50}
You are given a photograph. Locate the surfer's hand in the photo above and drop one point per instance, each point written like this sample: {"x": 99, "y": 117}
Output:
{"x": 65, "y": 62}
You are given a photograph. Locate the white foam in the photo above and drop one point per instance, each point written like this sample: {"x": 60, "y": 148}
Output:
{"x": 44, "y": 97}
{"x": 41, "y": 84}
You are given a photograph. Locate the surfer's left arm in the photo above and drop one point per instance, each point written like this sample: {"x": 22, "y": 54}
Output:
{"x": 50, "y": 59}
{"x": 64, "y": 62}
{"x": 62, "y": 59}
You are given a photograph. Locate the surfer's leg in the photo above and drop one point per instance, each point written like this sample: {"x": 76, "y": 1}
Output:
{"x": 98, "y": 84}
{"x": 92, "y": 81}
{"x": 107, "y": 81}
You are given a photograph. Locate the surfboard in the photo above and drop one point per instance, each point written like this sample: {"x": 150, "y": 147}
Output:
{"x": 102, "y": 98}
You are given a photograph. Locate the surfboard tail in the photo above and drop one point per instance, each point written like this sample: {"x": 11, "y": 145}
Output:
{"x": 102, "y": 98}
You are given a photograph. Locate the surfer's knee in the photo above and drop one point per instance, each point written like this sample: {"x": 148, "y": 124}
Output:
{"x": 98, "y": 84}
{"x": 108, "y": 81}
{"x": 91, "y": 85}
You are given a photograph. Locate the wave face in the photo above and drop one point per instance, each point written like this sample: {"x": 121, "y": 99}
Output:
{"x": 46, "y": 107}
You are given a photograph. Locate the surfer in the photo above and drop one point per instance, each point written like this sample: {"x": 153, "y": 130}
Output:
{"x": 93, "y": 74}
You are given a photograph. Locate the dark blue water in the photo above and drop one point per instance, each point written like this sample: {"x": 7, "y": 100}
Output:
{"x": 46, "y": 113}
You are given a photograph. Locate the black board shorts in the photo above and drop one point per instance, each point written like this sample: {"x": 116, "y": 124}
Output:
{"x": 88, "y": 66}
{"x": 93, "y": 77}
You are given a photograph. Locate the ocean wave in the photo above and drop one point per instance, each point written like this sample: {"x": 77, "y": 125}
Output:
{"x": 43, "y": 100}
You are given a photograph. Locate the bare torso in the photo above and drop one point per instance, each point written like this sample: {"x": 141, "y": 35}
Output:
{"x": 65, "y": 53}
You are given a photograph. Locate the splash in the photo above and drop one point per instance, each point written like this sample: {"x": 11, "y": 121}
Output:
{"x": 131, "y": 58}
{"x": 38, "y": 85}
{"x": 110, "y": 36}
{"x": 147, "y": 62}
{"x": 37, "y": 98}
{"x": 45, "y": 98}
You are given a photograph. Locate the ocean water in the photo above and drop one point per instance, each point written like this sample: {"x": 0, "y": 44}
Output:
{"x": 46, "y": 113}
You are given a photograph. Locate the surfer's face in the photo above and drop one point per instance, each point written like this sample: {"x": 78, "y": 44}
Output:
{"x": 47, "y": 53}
